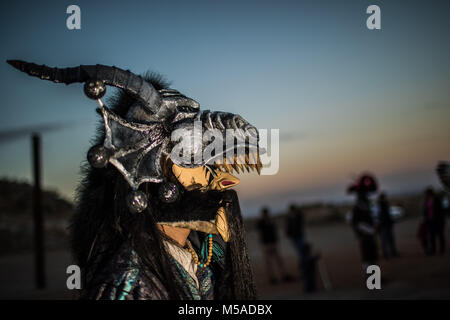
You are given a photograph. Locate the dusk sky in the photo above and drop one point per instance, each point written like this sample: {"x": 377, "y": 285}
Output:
{"x": 345, "y": 98}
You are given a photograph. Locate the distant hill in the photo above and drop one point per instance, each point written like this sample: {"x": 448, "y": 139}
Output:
{"x": 16, "y": 217}
{"x": 16, "y": 200}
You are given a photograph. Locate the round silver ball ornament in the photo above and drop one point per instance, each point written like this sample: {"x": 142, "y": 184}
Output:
{"x": 168, "y": 192}
{"x": 98, "y": 156}
{"x": 137, "y": 201}
{"x": 94, "y": 89}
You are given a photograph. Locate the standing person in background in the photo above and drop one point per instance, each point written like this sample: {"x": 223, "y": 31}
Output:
{"x": 269, "y": 240}
{"x": 362, "y": 221}
{"x": 386, "y": 227}
{"x": 434, "y": 219}
{"x": 308, "y": 268}
{"x": 422, "y": 235}
{"x": 295, "y": 229}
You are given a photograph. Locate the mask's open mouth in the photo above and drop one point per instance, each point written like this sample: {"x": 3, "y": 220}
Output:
{"x": 237, "y": 162}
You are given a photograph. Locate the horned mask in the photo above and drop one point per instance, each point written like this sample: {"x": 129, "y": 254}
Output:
{"x": 165, "y": 139}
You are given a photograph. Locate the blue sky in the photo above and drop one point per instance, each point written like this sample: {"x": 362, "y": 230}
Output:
{"x": 345, "y": 98}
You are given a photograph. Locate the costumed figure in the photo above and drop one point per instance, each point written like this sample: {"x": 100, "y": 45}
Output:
{"x": 434, "y": 221}
{"x": 268, "y": 236}
{"x": 156, "y": 218}
{"x": 362, "y": 220}
{"x": 386, "y": 227}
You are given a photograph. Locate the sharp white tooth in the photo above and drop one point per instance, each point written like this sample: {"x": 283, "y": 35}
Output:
{"x": 238, "y": 166}
{"x": 258, "y": 168}
{"x": 258, "y": 164}
{"x": 230, "y": 158}
{"x": 235, "y": 167}
{"x": 227, "y": 166}
{"x": 252, "y": 158}
{"x": 242, "y": 158}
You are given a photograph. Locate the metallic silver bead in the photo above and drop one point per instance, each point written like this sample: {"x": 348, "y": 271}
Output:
{"x": 94, "y": 89}
{"x": 168, "y": 192}
{"x": 98, "y": 156}
{"x": 137, "y": 201}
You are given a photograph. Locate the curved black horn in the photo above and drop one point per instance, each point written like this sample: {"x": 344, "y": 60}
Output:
{"x": 113, "y": 76}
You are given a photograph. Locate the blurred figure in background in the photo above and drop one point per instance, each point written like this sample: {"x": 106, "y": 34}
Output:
{"x": 422, "y": 235}
{"x": 362, "y": 220}
{"x": 445, "y": 204}
{"x": 434, "y": 220}
{"x": 308, "y": 268}
{"x": 269, "y": 239}
{"x": 443, "y": 172}
{"x": 386, "y": 227}
{"x": 295, "y": 229}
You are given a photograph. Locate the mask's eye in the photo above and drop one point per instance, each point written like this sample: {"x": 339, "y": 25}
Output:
{"x": 186, "y": 109}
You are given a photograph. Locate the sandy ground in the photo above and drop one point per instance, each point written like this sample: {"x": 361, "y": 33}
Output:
{"x": 411, "y": 276}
